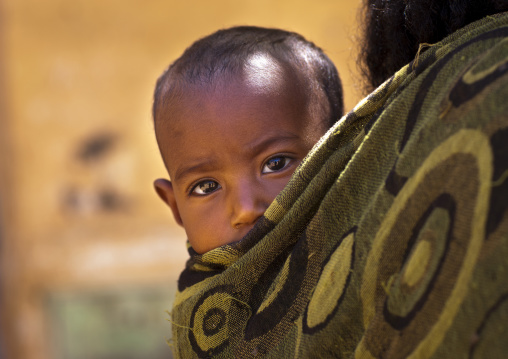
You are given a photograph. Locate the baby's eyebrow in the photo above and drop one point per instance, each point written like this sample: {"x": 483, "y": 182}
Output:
{"x": 258, "y": 146}
{"x": 197, "y": 166}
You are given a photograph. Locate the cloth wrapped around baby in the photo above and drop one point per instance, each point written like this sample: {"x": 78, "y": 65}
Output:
{"x": 391, "y": 239}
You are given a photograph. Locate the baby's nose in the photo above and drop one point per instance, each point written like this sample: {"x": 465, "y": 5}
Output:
{"x": 248, "y": 206}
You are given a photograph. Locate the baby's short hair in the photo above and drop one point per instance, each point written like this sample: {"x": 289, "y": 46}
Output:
{"x": 225, "y": 52}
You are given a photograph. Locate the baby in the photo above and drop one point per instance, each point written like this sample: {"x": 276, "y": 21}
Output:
{"x": 234, "y": 116}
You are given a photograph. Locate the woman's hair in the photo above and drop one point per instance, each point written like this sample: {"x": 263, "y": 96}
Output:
{"x": 394, "y": 29}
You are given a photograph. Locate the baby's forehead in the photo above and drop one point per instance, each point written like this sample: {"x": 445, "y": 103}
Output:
{"x": 263, "y": 83}
{"x": 260, "y": 74}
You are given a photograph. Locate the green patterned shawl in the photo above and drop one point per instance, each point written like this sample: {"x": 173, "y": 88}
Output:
{"x": 391, "y": 239}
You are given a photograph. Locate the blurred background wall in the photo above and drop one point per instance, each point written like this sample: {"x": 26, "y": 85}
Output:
{"x": 89, "y": 255}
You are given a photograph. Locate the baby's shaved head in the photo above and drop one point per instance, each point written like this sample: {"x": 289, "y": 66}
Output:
{"x": 249, "y": 52}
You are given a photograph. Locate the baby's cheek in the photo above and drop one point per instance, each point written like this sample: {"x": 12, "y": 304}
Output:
{"x": 277, "y": 187}
{"x": 206, "y": 234}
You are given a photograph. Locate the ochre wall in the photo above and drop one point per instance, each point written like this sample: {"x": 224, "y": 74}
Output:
{"x": 78, "y": 156}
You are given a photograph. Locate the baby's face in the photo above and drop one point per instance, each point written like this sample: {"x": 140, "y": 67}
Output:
{"x": 230, "y": 150}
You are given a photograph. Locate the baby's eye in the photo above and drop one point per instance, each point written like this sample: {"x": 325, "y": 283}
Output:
{"x": 205, "y": 187}
{"x": 275, "y": 164}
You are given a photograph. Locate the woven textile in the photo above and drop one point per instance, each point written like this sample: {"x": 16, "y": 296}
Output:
{"x": 390, "y": 240}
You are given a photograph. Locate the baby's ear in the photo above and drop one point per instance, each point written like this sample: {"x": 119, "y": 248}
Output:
{"x": 164, "y": 189}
